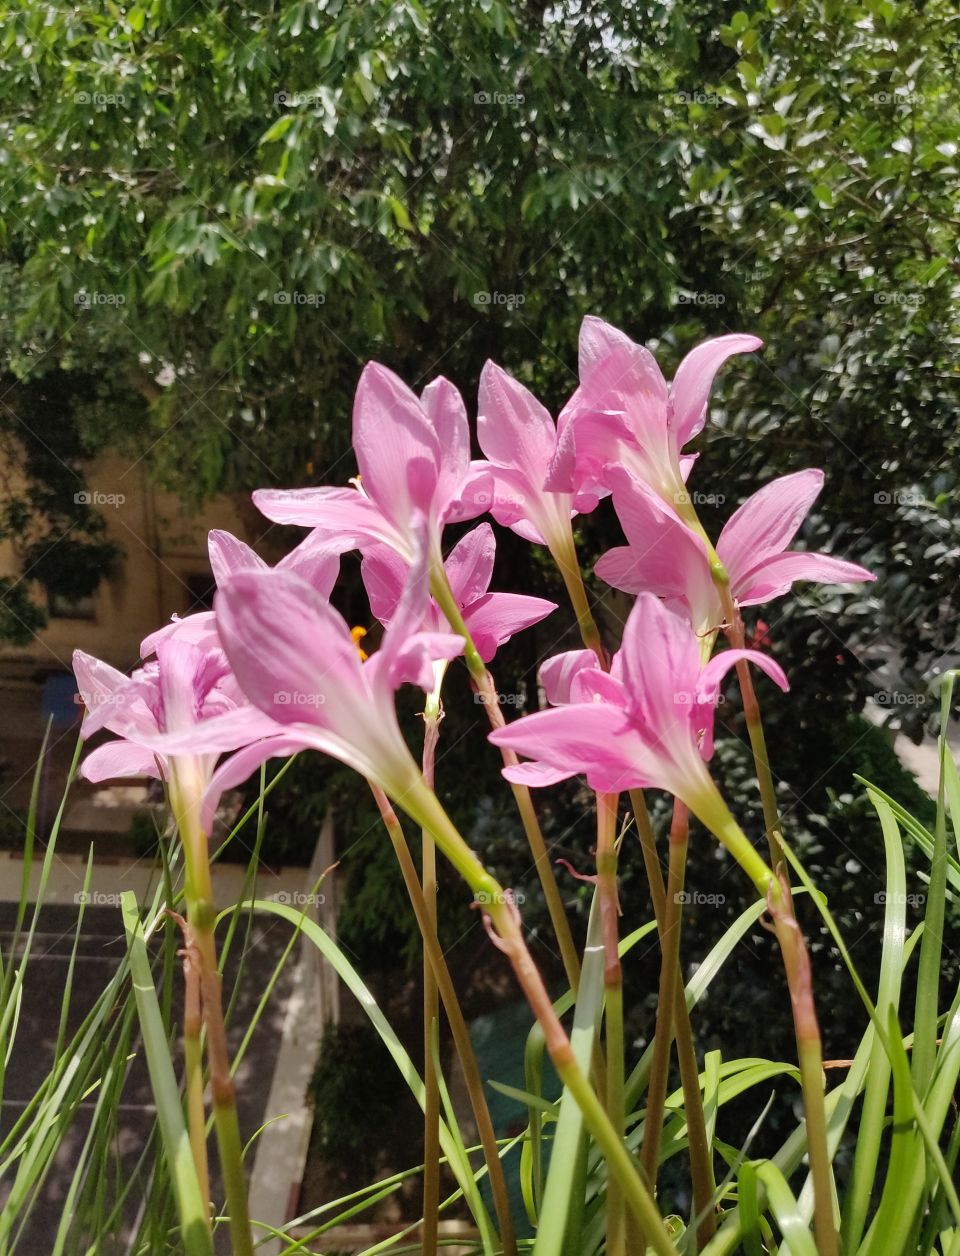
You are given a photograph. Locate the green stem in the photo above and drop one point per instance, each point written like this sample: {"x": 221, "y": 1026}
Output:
{"x": 458, "y": 1026}
{"x": 201, "y": 919}
{"x": 564, "y": 554}
{"x": 796, "y": 962}
{"x": 666, "y": 1003}
{"x": 701, "y": 1159}
{"x": 792, "y": 946}
{"x": 431, "y": 1009}
{"x": 487, "y": 694}
{"x": 498, "y": 906}
{"x": 613, "y": 993}
{"x": 619, "y": 1161}
{"x": 193, "y": 1071}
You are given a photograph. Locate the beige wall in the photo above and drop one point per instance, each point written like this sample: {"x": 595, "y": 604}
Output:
{"x": 162, "y": 548}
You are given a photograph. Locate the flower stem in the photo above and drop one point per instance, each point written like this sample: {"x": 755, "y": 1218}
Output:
{"x": 458, "y": 1026}
{"x": 701, "y": 1160}
{"x": 487, "y": 693}
{"x": 538, "y": 847}
{"x": 201, "y": 919}
{"x": 751, "y": 712}
{"x": 506, "y": 932}
{"x": 564, "y": 554}
{"x": 193, "y": 1070}
{"x": 613, "y": 993}
{"x": 796, "y": 963}
{"x": 666, "y": 1003}
{"x": 431, "y": 1008}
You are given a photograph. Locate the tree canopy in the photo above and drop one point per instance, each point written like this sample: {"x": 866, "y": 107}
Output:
{"x": 214, "y": 215}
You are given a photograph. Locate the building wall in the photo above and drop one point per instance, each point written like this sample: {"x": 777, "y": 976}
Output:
{"x": 163, "y": 549}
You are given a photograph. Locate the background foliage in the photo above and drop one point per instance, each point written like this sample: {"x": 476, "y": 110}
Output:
{"x": 218, "y": 214}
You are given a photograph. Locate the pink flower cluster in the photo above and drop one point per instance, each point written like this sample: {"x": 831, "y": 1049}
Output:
{"x": 275, "y": 668}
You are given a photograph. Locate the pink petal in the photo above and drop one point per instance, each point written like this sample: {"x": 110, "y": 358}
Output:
{"x": 494, "y": 618}
{"x": 200, "y": 629}
{"x": 109, "y": 696}
{"x": 588, "y": 441}
{"x": 315, "y": 561}
{"x": 473, "y": 496}
{"x": 510, "y": 498}
{"x": 694, "y": 379}
{"x": 412, "y": 663}
{"x": 446, "y": 413}
{"x": 239, "y": 767}
{"x": 777, "y": 576}
{"x": 708, "y": 686}
{"x": 469, "y": 565}
{"x": 342, "y": 515}
{"x": 291, "y": 652}
{"x": 406, "y": 654}
{"x": 588, "y": 738}
{"x": 557, "y": 674}
{"x": 664, "y": 557}
{"x": 383, "y": 572}
{"x": 610, "y": 361}
{"x": 623, "y": 379}
{"x": 535, "y": 775}
{"x": 397, "y": 449}
{"x": 228, "y": 555}
{"x": 117, "y": 759}
{"x": 217, "y": 735}
{"x": 660, "y": 661}
{"x": 767, "y": 522}
{"x": 513, "y": 428}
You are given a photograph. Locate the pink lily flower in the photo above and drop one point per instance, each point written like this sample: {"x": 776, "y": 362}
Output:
{"x": 491, "y": 618}
{"x": 314, "y": 559}
{"x": 297, "y": 662}
{"x": 665, "y": 557}
{"x": 646, "y": 724}
{"x": 413, "y": 456}
{"x": 624, "y": 412}
{"x": 519, "y": 439}
{"x": 187, "y": 693}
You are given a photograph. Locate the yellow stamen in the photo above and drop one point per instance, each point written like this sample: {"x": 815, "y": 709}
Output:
{"x": 358, "y": 634}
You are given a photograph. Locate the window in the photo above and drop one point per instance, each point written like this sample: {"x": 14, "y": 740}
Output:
{"x": 200, "y": 591}
{"x": 71, "y": 608}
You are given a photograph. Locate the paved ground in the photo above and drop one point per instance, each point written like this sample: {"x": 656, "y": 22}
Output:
{"x": 99, "y": 954}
